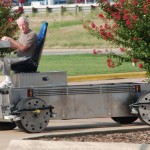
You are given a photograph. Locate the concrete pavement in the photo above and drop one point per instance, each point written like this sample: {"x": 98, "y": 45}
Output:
{"x": 69, "y": 51}
{"x": 68, "y": 127}
{"x": 76, "y": 127}
{"x": 66, "y": 51}
{"x": 65, "y": 145}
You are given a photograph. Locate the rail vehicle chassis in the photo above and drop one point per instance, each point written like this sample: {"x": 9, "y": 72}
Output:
{"x": 37, "y": 98}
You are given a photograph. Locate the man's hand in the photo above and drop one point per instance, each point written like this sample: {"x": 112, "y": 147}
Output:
{"x": 14, "y": 44}
{"x": 5, "y": 38}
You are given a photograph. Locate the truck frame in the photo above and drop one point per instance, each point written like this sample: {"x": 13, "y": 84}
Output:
{"x": 37, "y": 98}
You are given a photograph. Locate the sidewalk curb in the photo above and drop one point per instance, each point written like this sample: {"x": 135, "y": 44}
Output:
{"x": 66, "y": 145}
{"x": 34, "y": 142}
{"x": 92, "y": 131}
{"x": 106, "y": 76}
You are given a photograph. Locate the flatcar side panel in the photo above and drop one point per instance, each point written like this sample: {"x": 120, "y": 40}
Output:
{"x": 87, "y": 106}
{"x": 120, "y": 104}
{"x": 83, "y": 101}
{"x": 80, "y": 106}
{"x": 90, "y": 105}
{"x": 58, "y": 102}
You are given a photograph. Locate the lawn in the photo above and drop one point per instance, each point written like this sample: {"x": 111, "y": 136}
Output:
{"x": 82, "y": 64}
{"x": 67, "y": 31}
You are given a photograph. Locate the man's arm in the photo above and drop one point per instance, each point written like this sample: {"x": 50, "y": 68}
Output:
{"x": 15, "y": 44}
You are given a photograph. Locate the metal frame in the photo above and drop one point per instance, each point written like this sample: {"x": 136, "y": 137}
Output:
{"x": 68, "y": 101}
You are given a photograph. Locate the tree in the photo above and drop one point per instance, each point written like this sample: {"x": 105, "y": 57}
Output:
{"x": 8, "y": 25}
{"x": 126, "y": 24}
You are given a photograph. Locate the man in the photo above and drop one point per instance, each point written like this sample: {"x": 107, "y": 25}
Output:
{"x": 25, "y": 46}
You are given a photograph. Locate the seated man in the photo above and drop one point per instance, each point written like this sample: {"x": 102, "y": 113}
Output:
{"x": 25, "y": 46}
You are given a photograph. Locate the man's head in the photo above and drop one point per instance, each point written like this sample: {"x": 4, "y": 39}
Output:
{"x": 23, "y": 24}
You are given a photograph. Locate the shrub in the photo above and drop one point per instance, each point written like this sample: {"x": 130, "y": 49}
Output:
{"x": 8, "y": 25}
{"x": 126, "y": 24}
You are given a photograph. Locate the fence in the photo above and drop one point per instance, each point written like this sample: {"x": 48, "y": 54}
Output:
{"x": 85, "y": 8}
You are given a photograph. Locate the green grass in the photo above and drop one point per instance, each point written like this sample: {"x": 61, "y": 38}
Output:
{"x": 61, "y": 24}
{"x": 81, "y": 64}
{"x": 67, "y": 31}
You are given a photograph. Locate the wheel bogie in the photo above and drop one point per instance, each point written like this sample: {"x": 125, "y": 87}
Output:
{"x": 144, "y": 108}
{"x": 32, "y": 119}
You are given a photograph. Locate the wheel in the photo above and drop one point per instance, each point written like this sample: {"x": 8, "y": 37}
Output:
{"x": 7, "y": 125}
{"x": 34, "y": 115}
{"x": 125, "y": 120}
{"x": 144, "y": 108}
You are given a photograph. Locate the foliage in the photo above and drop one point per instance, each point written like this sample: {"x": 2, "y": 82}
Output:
{"x": 126, "y": 24}
{"x": 8, "y": 25}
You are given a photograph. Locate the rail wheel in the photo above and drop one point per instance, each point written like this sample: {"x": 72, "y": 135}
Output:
{"x": 7, "y": 125}
{"x": 144, "y": 108}
{"x": 34, "y": 115}
{"x": 125, "y": 120}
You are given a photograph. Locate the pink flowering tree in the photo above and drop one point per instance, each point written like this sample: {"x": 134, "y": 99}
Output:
{"x": 8, "y": 25}
{"x": 126, "y": 24}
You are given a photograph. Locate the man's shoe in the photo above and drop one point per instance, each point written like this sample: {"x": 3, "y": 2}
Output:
{"x": 5, "y": 84}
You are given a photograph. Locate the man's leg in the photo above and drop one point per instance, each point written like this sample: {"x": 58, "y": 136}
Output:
{"x": 6, "y": 70}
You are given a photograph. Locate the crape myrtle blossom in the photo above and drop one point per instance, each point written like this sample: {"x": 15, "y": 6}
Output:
{"x": 127, "y": 25}
{"x": 8, "y": 25}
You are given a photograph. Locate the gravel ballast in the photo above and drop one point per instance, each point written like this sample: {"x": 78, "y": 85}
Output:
{"x": 137, "y": 137}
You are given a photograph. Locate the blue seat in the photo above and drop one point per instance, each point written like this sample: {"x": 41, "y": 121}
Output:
{"x": 31, "y": 64}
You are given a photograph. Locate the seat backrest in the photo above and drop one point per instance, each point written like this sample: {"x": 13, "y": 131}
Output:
{"x": 31, "y": 64}
{"x": 41, "y": 39}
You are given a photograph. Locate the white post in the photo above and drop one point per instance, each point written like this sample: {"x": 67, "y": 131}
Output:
{"x": 50, "y": 2}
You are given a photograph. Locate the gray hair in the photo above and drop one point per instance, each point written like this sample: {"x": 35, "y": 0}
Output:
{"x": 23, "y": 19}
